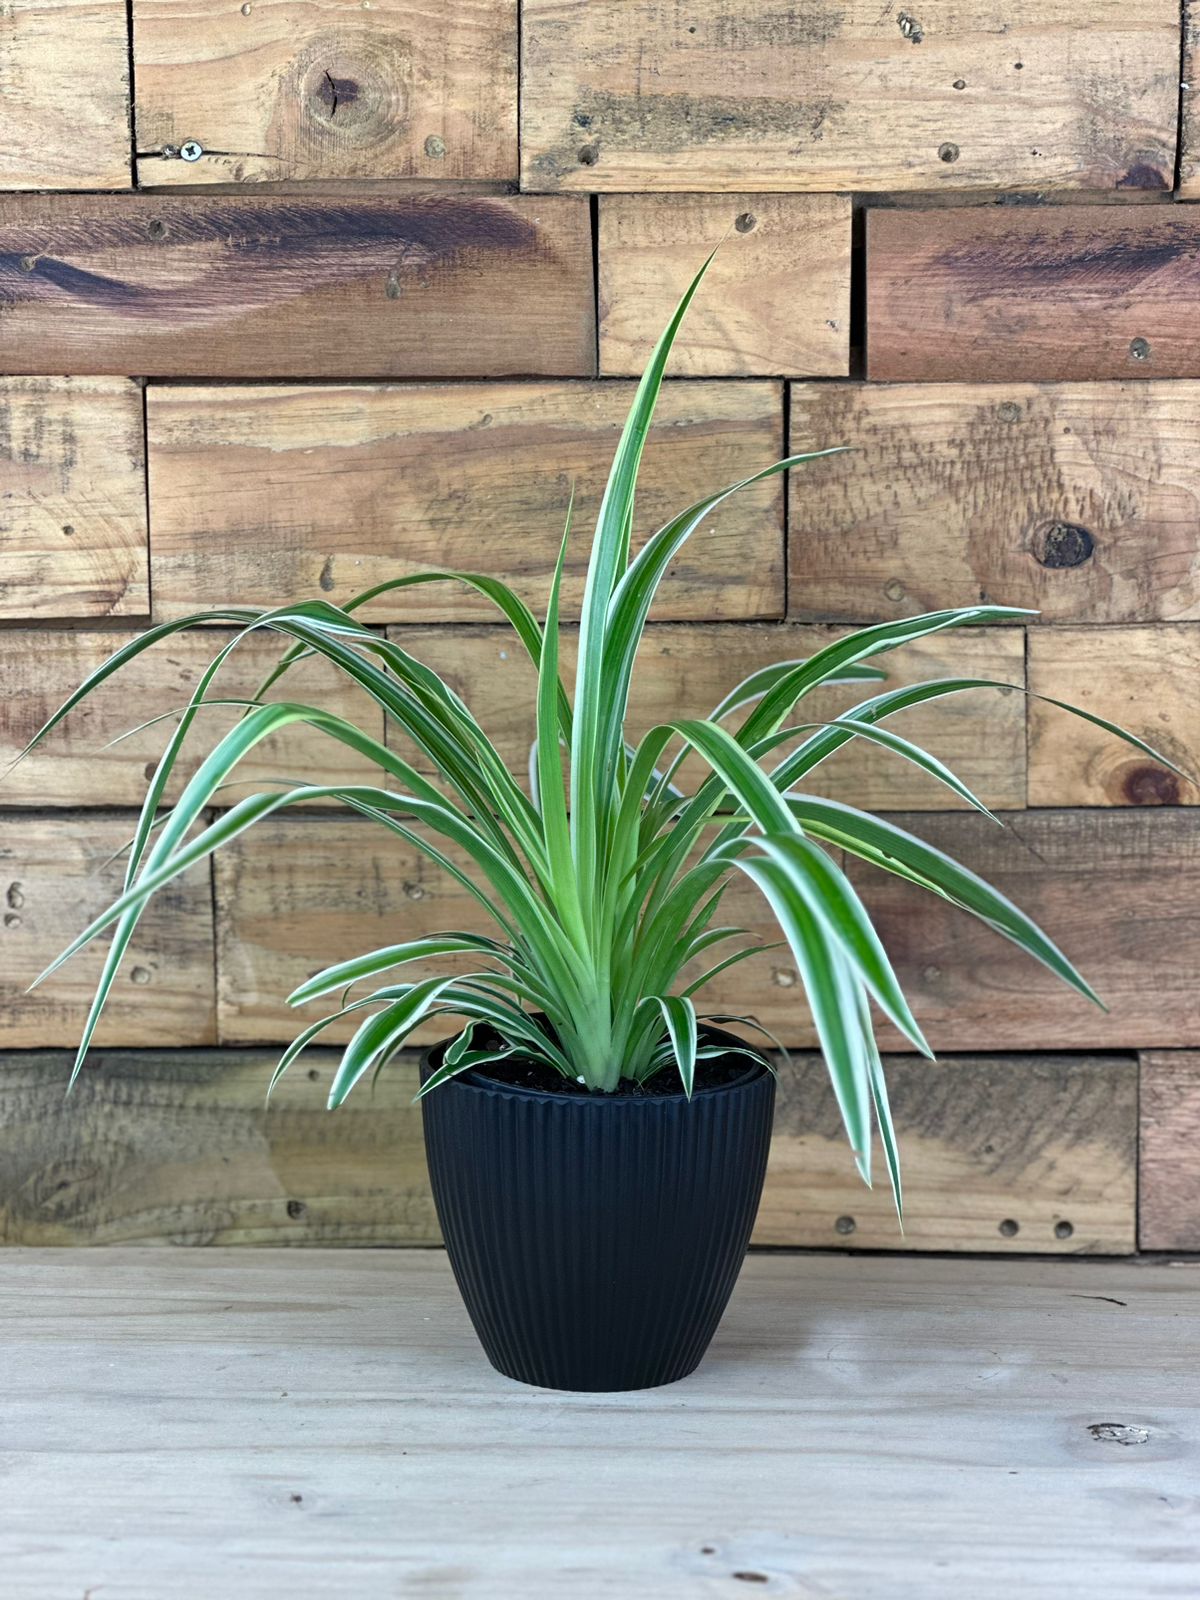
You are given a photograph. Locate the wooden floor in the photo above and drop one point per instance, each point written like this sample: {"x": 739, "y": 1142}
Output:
{"x": 222, "y": 1424}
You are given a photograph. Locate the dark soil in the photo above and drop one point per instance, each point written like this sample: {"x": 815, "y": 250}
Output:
{"x": 522, "y": 1072}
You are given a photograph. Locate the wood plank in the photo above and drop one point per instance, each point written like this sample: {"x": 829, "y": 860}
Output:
{"x": 297, "y": 893}
{"x": 54, "y": 881}
{"x": 685, "y": 670}
{"x": 76, "y": 767}
{"x": 1188, "y": 183}
{"x": 265, "y": 1412}
{"x": 180, "y": 1149}
{"x": 1169, "y": 1175}
{"x": 1119, "y": 891}
{"x": 302, "y": 90}
{"x": 1144, "y": 679}
{"x": 1076, "y": 500}
{"x": 776, "y": 299}
{"x": 64, "y": 65}
{"x": 1055, "y": 292}
{"x": 999, "y": 1153}
{"x": 271, "y": 494}
{"x": 419, "y": 284}
{"x": 848, "y": 96}
{"x": 73, "y": 507}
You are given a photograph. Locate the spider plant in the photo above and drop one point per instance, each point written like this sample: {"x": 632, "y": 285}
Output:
{"x": 600, "y": 885}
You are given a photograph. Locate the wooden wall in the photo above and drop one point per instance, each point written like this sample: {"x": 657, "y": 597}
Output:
{"x": 297, "y": 297}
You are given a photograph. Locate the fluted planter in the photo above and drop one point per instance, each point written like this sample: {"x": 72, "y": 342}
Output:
{"x": 596, "y": 1238}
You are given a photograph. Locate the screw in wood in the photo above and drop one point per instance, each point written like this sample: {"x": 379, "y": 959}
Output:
{"x": 191, "y": 150}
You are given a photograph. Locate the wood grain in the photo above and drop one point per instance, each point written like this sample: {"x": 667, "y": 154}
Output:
{"x": 242, "y": 286}
{"x": 686, "y": 670}
{"x": 1119, "y": 891}
{"x": 180, "y": 1148}
{"x": 76, "y": 767}
{"x": 646, "y": 95}
{"x": 776, "y": 299}
{"x": 1055, "y": 292}
{"x": 271, "y": 494}
{"x": 64, "y": 67}
{"x": 333, "y": 1414}
{"x": 53, "y": 881}
{"x": 73, "y": 503}
{"x": 1144, "y": 679}
{"x": 297, "y": 893}
{"x": 1189, "y": 116}
{"x": 1076, "y": 500}
{"x": 1169, "y": 1182}
{"x": 304, "y": 89}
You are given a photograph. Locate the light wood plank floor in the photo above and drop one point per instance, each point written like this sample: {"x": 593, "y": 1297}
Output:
{"x": 256, "y": 1423}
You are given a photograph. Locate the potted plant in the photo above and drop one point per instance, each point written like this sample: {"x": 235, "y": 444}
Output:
{"x": 596, "y": 1141}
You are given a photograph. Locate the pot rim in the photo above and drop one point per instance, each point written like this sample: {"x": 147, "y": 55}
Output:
{"x": 480, "y": 1084}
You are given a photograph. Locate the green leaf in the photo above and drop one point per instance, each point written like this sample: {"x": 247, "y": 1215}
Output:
{"x": 892, "y": 848}
{"x": 679, "y": 1014}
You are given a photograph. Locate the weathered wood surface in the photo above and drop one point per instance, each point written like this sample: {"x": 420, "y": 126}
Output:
{"x": 53, "y": 881}
{"x": 1119, "y": 891}
{"x": 1144, "y": 679}
{"x": 247, "y": 286}
{"x": 64, "y": 73}
{"x": 1075, "y": 500}
{"x": 263, "y": 495}
{"x": 309, "y": 89}
{"x": 1189, "y": 113}
{"x": 73, "y": 500}
{"x": 296, "y": 893}
{"x": 74, "y": 766}
{"x": 181, "y": 1149}
{"x": 648, "y": 95}
{"x": 776, "y": 299}
{"x": 687, "y": 669}
{"x": 1169, "y": 1172}
{"x": 1016, "y": 1428}
{"x": 1059, "y": 292}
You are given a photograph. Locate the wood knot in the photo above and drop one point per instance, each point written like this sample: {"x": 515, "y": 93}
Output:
{"x": 1062, "y": 544}
{"x": 1124, "y": 1433}
{"x": 1148, "y": 785}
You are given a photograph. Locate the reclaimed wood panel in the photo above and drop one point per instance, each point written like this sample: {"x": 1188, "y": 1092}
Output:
{"x": 651, "y": 95}
{"x": 73, "y": 499}
{"x": 1188, "y": 180}
{"x": 420, "y": 284}
{"x": 1039, "y": 292}
{"x": 1169, "y": 1182}
{"x": 54, "y": 881}
{"x": 296, "y": 893}
{"x": 685, "y": 670}
{"x": 999, "y": 1153}
{"x": 64, "y": 70}
{"x": 865, "y": 1427}
{"x": 1077, "y": 500}
{"x": 269, "y": 494}
{"x": 776, "y": 298}
{"x": 180, "y": 1149}
{"x": 76, "y": 767}
{"x": 1145, "y": 680}
{"x": 305, "y": 89}
{"x": 1119, "y": 891}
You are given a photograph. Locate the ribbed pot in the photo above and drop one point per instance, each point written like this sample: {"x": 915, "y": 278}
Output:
{"x": 596, "y": 1239}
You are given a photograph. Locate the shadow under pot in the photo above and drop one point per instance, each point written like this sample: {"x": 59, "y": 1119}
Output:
{"x": 596, "y": 1238}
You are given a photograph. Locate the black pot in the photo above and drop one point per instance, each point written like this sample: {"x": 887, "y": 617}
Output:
{"x": 596, "y": 1238}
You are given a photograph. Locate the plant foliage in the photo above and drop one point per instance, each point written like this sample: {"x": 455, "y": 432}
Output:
{"x": 600, "y": 885}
